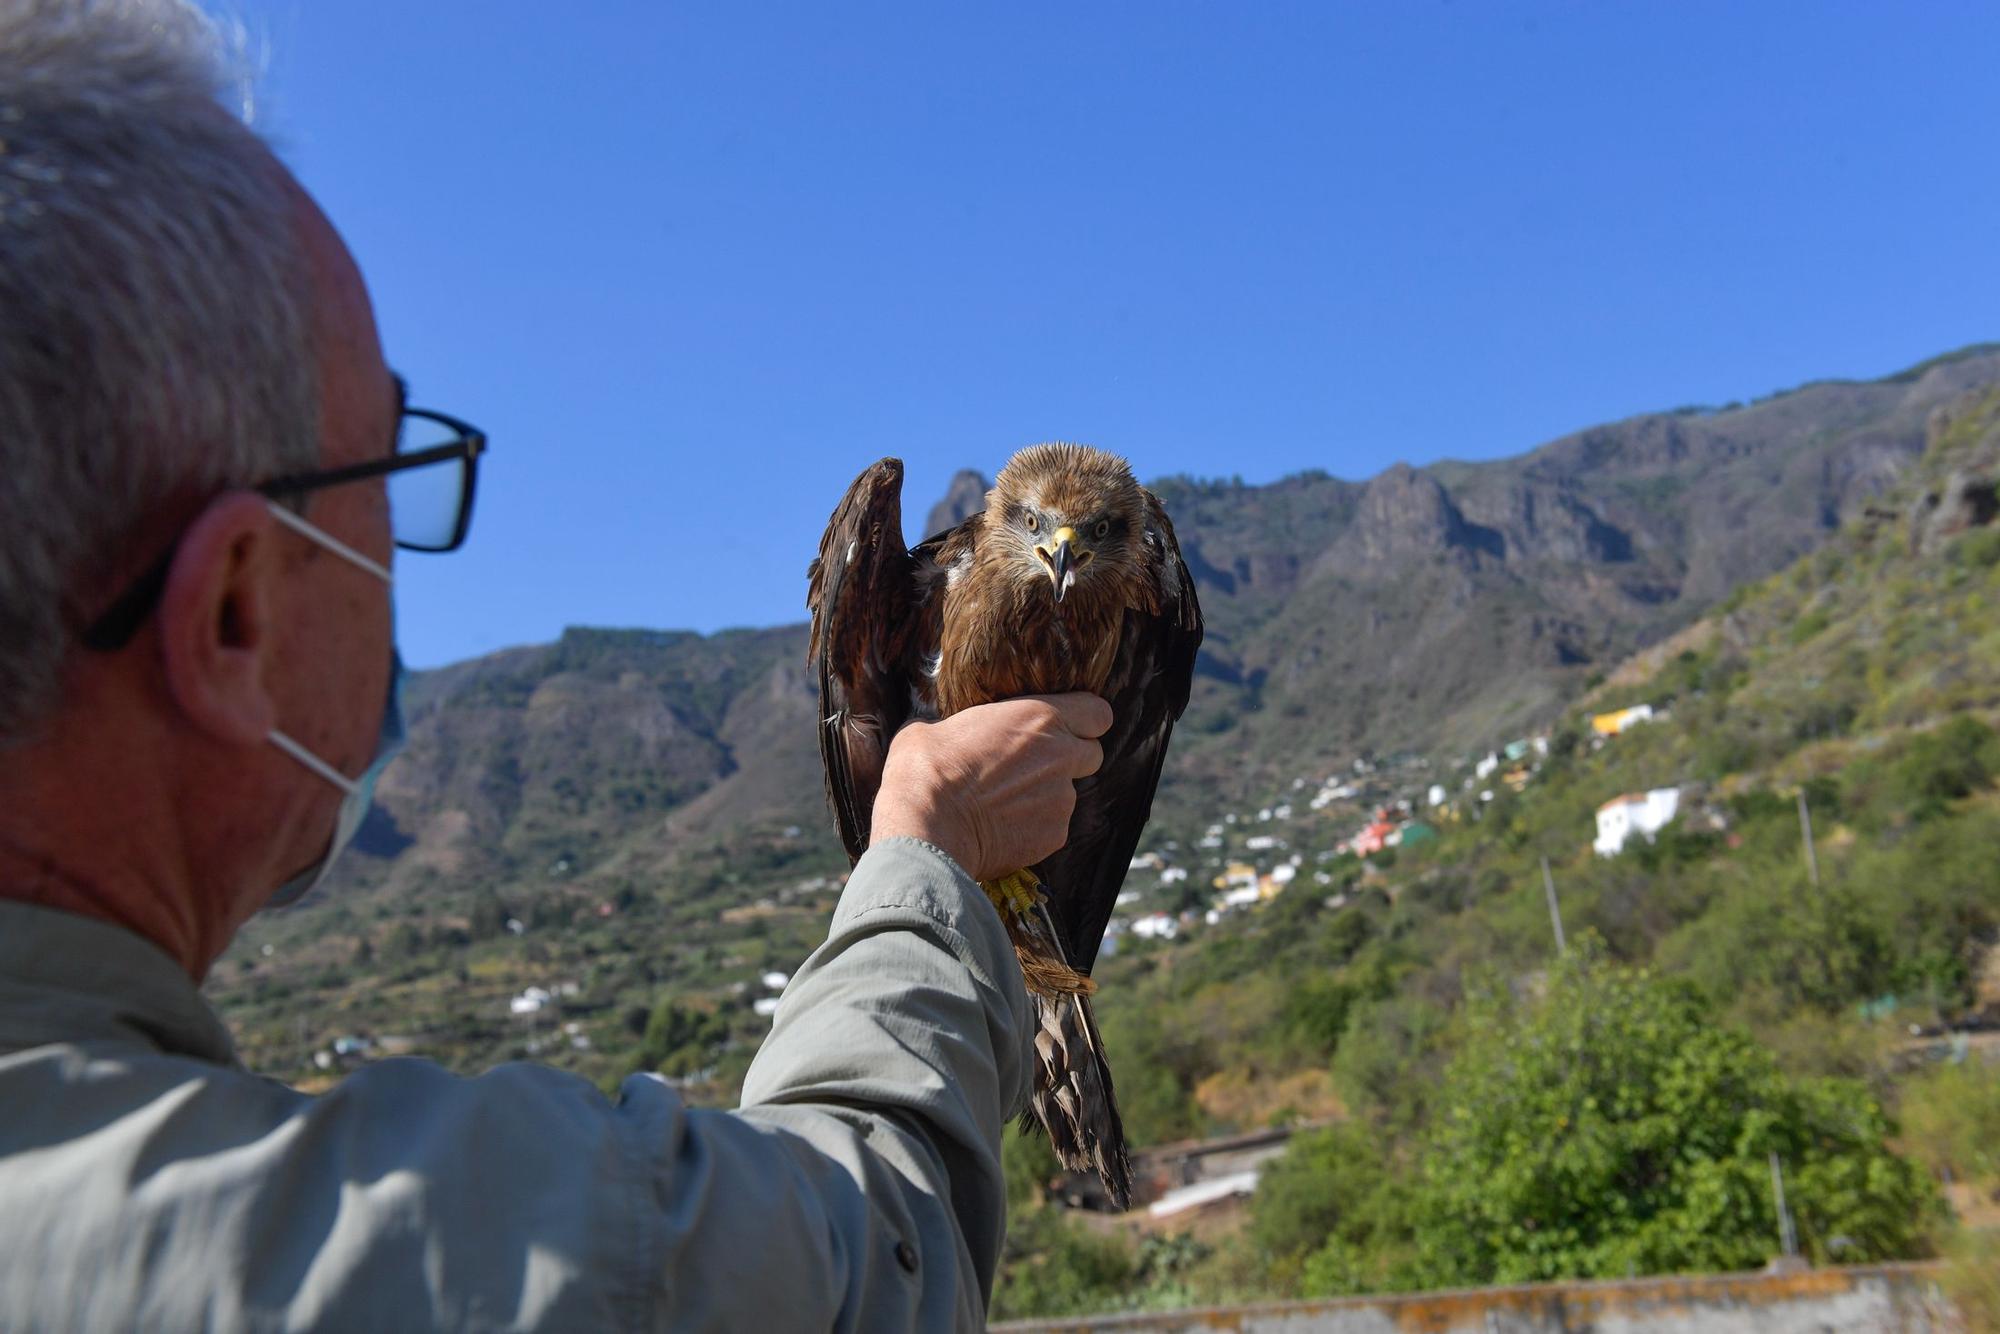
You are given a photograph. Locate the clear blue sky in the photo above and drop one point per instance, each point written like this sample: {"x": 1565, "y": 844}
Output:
{"x": 693, "y": 266}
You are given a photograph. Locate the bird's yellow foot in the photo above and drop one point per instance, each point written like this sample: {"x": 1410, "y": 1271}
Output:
{"x": 1014, "y": 894}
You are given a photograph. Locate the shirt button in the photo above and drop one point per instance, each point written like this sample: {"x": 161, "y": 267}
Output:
{"x": 906, "y": 1256}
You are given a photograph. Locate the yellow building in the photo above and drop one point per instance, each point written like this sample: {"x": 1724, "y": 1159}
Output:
{"x": 1611, "y": 724}
{"x": 1236, "y": 875}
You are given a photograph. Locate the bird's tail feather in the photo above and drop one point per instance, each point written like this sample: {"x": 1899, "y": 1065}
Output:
{"x": 1070, "y": 1093}
{"x": 1072, "y": 1097}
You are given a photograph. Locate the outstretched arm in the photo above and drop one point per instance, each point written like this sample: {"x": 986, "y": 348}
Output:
{"x": 898, "y": 1048}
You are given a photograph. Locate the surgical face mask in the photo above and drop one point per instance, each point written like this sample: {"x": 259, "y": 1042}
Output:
{"x": 356, "y": 793}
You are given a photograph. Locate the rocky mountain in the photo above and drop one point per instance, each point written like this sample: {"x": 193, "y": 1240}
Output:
{"x": 1449, "y": 605}
{"x": 963, "y": 498}
{"x": 1436, "y": 607}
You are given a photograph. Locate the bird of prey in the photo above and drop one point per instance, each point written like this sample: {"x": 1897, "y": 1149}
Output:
{"x": 1070, "y": 579}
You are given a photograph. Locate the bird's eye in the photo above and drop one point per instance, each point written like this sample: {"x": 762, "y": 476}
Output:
{"x": 1103, "y": 528}
{"x": 1034, "y": 524}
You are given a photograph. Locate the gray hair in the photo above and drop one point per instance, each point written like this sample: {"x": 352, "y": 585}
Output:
{"x": 155, "y": 345}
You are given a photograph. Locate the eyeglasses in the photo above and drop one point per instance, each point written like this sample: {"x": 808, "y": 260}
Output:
{"x": 431, "y": 474}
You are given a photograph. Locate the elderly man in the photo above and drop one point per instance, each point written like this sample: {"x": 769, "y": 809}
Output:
{"x": 204, "y": 469}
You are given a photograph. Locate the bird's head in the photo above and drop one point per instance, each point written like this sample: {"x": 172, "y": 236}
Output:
{"x": 1069, "y": 515}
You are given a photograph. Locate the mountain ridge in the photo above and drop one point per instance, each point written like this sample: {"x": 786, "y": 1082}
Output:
{"x": 1425, "y": 607}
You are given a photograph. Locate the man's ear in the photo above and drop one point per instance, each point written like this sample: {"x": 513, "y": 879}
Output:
{"x": 215, "y": 619}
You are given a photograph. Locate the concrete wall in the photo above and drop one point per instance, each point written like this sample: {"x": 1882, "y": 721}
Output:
{"x": 1884, "y": 1299}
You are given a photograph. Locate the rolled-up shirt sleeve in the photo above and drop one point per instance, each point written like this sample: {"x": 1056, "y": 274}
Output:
{"x": 858, "y": 1187}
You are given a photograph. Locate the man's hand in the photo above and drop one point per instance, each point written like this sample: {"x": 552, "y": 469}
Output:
{"x": 993, "y": 787}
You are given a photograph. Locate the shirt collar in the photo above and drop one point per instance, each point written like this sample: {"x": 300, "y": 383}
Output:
{"x": 70, "y": 979}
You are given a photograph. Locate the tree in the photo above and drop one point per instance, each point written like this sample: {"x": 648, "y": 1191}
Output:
{"x": 1612, "y": 1127}
{"x": 1332, "y": 1215}
{"x": 1053, "y": 1266}
{"x": 680, "y": 1040}
{"x": 488, "y": 917}
{"x": 1028, "y": 1165}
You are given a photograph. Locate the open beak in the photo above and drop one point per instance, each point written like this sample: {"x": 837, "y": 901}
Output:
{"x": 1062, "y": 560}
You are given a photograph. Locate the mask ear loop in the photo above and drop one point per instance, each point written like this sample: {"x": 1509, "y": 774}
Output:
{"x": 313, "y": 533}
{"x": 312, "y": 762}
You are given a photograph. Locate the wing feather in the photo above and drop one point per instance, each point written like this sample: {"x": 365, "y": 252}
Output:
{"x": 860, "y": 590}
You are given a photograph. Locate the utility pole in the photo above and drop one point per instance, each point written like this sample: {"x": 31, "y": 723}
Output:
{"x": 1555, "y": 909}
{"x": 1788, "y": 1233}
{"x": 1805, "y": 829}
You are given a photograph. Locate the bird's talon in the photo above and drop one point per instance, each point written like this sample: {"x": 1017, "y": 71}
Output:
{"x": 1014, "y": 894}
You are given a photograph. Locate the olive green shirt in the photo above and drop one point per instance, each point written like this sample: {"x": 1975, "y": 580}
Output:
{"x": 149, "y": 1181}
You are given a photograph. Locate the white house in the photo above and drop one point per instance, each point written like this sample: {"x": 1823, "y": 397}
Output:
{"x": 530, "y": 1001}
{"x": 1436, "y": 796}
{"x": 1182, "y": 1198}
{"x": 1634, "y": 813}
{"x": 1156, "y": 926}
{"x": 775, "y": 981}
{"x": 1486, "y": 766}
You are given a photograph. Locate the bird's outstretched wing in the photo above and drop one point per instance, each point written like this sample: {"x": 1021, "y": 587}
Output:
{"x": 1147, "y": 691}
{"x": 861, "y": 590}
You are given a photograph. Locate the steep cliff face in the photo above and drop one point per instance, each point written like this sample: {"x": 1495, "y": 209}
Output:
{"x": 1406, "y": 515}
{"x": 1444, "y": 606}
{"x": 547, "y": 759}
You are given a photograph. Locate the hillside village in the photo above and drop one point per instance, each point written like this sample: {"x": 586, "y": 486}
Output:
{"x": 1352, "y": 817}
{"x": 1333, "y": 835}
{"x": 1330, "y": 834}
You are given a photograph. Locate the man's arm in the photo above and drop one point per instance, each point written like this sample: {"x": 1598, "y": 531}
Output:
{"x": 909, "y": 1026}
{"x": 858, "y": 1188}
{"x": 898, "y": 1054}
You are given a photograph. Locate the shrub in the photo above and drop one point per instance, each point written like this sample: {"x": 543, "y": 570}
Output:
{"x": 1951, "y": 1116}
{"x": 1332, "y": 1213}
{"x": 680, "y": 1040}
{"x": 1315, "y": 1013}
{"x": 1612, "y": 1127}
{"x": 1945, "y": 764}
{"x": 1055, "y": 1265}
{"x": 1028, "y": 1164}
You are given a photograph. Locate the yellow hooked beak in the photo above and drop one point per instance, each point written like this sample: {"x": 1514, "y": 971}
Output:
{"x": 1064, "y": 556}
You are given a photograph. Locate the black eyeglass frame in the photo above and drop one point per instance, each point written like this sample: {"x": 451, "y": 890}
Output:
{"x": 115, "y": 628}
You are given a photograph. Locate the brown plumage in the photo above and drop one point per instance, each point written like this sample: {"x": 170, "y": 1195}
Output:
{"x": 1069, "y": 580}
